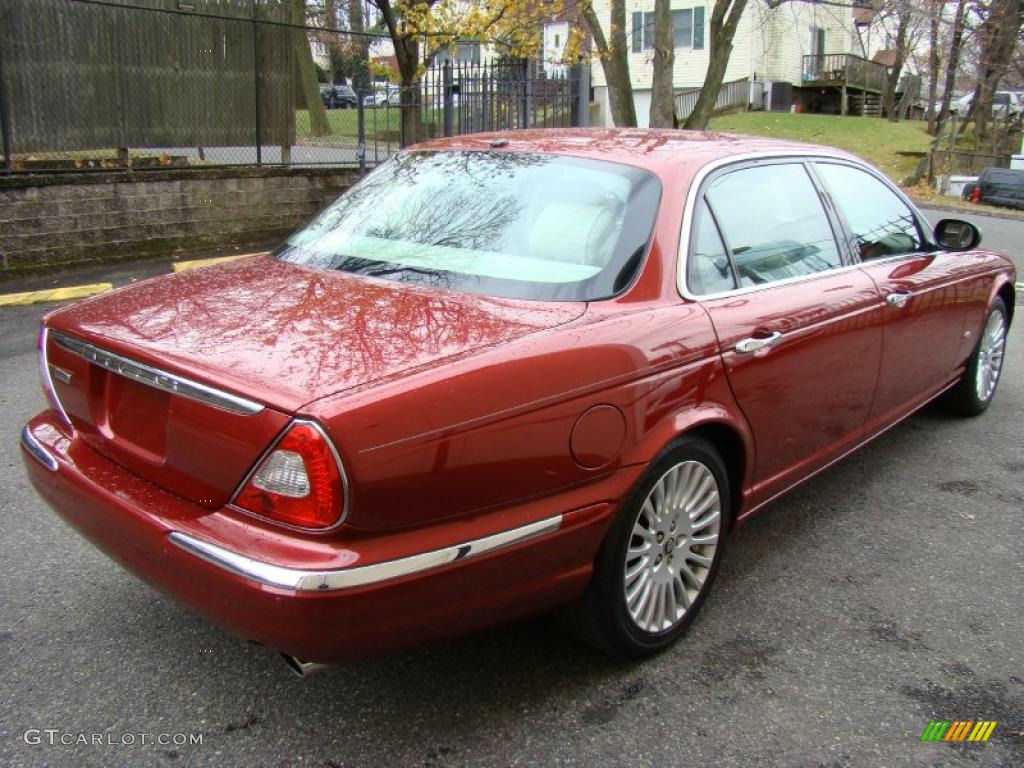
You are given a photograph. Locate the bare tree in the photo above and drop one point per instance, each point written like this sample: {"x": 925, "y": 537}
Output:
{"x": 614, "y": 54}
{"x": 310, "y": 89}
{"x": 935, "y": 9}
{"x": 956, "y": 39}
{"x": 725, "y": 17}
{"x": 662, "y": 96}
{"x": 904, "y": 15}
{"x": 999, "y": 34}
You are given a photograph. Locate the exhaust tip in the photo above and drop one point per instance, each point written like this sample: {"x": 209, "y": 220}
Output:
{"x": 302, "y": 668}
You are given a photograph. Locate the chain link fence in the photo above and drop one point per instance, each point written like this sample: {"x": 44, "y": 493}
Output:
{"x": 149, "y": 84}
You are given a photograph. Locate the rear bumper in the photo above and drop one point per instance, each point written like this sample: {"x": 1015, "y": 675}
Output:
{"x": 319, "y": 598}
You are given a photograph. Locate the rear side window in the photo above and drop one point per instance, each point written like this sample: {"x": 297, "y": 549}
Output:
{"x": 773, "y": 223}
{"x": 881, "y": 223}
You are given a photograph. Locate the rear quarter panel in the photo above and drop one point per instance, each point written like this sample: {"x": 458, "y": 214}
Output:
{"x": 497, "y": 428}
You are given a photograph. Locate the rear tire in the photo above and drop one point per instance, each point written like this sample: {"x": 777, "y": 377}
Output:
{"x": 973, "y": 393}
{"x": 661, "y": 555}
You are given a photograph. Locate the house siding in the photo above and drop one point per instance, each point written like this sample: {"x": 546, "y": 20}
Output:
{"x": 769, "y": 45}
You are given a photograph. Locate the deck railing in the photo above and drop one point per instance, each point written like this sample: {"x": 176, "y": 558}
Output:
{"x": 840, "y": 69}
{"x": 732, "y": 94}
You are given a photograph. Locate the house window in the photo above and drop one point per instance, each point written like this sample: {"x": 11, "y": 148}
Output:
{"x": 465, "y": 51}
{"x": 817, "y": 41}
{"x": 687, "y": 29}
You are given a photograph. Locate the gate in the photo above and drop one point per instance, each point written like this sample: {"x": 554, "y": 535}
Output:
{"x": 457, "y": 98}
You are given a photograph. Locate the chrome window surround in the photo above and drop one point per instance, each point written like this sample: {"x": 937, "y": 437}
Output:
{"x": 697, "y": 185}
{"x": 157, "y": 378}
{"x": 39, "y": 453}
{"x": 263, "y": 457}
{"x": 301, "y": 580}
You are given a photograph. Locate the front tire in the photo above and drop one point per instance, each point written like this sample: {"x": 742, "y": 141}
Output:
{"x": 661, "y": 554}
{"x": 972, "y": 395}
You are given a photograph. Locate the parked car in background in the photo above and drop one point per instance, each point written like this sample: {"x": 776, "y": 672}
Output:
{"x": 338, "y": 96}
{"x": 997, "y": 186}
{"x": 1005, "y": 105}
{"x": 507, "y": 373}
{"x": 387, "y": 96}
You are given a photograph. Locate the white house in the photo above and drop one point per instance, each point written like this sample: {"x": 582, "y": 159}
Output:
{"x": 768, "y": 49}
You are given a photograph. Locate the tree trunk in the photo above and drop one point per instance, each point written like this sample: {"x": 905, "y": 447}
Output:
{"x": 934, "y": 59}
{"x": 359, "y": 47}
{"x": 952, "y": 65}
{"x": 904, "y": 18}
{"x": 724, "y": 18}
{"x": 309, "y": 87}
{"x": 999, "y": 34}
{"x": 614, "y": 54}
{"x": 662, "y": 97}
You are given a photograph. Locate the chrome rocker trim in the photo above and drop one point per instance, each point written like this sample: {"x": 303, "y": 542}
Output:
{"x": 345, "y": 578}
{"x": 158, "y": 379}
{"x": 39, "y": 453}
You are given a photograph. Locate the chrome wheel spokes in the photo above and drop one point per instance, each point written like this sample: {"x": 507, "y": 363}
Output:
{"x": 672, "y": 546}
{"x": 990, "y": 356}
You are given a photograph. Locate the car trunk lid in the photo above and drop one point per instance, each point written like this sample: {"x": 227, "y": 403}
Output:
{"x": 186, "y": 379}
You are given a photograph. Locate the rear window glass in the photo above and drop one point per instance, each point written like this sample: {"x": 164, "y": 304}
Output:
{"x": 507, "y": 224}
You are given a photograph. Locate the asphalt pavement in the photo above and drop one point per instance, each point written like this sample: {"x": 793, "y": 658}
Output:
{"x": 881, "y": 595}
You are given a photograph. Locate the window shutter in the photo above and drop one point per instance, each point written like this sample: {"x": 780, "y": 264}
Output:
{"x": 698, "y": 27}
{"x": 638, "y": 31}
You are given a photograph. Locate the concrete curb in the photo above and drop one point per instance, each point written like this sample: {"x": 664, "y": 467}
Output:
{"x": 63, "y": 293}
{"x": 68, "y": 292}
{"x": 979, "y": 212}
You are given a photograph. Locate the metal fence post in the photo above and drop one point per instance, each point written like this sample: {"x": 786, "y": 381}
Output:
{"x": 579, "y": 78}
{"x": 446, "y": 84}
{"x": 527, "y": 84}
{"x": 361, "y": 132}
{"x": 5, "y": 113}
{"x": 256, "y": 82}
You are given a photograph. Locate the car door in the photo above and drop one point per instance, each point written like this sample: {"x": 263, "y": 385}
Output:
{"x": 922, "y": 289}
{"x": 797, "y": 324}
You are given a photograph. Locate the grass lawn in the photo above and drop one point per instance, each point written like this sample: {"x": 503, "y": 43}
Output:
{"x": 345, "y": 125}
{"x": 875, "y": 140}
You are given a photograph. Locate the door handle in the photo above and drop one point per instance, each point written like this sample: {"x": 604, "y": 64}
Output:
{"x": 898, "y": 298}
{"x": 755, "y": 343}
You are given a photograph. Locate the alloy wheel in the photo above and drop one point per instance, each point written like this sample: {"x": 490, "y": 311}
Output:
{"x": 672, "y": 546}
{"x": 990, "y": 356}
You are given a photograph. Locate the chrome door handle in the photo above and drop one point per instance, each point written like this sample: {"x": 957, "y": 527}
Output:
{"x": 754, "y": 343}
{"x": 898, "y": 298}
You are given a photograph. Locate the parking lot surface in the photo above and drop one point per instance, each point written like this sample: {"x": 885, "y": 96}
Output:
{"x": 881, "y": 595}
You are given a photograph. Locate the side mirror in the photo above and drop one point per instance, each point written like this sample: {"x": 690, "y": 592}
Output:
{"x": 957, "y": 235}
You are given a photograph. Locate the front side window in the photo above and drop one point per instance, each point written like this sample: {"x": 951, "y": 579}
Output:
{"x": 773, "y": 223}
{"x": 507, "y": 224}
{"x": 881, "y": 223}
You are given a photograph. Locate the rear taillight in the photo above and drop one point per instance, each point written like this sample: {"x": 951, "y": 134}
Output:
{"x": 46, "y": 380}
{"x": 299, "y": 482}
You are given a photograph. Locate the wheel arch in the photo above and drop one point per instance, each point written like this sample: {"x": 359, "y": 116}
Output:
{"x": 717, "y": 426}
{"x": 1009, "y": 296}
{"x": 730, "y": 444}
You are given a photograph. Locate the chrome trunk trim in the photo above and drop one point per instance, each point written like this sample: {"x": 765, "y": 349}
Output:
{"x": 157, "y": 378}
{"x": 346, "y": 578}
{"x": 39, "y": 453}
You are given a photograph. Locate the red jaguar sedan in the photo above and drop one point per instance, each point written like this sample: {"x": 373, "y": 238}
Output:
{"x": 507, "y": 373}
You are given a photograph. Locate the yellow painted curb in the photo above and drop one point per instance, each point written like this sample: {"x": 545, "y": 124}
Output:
{"x": 181, "y": 266}
{"x": 53, "y": 294}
